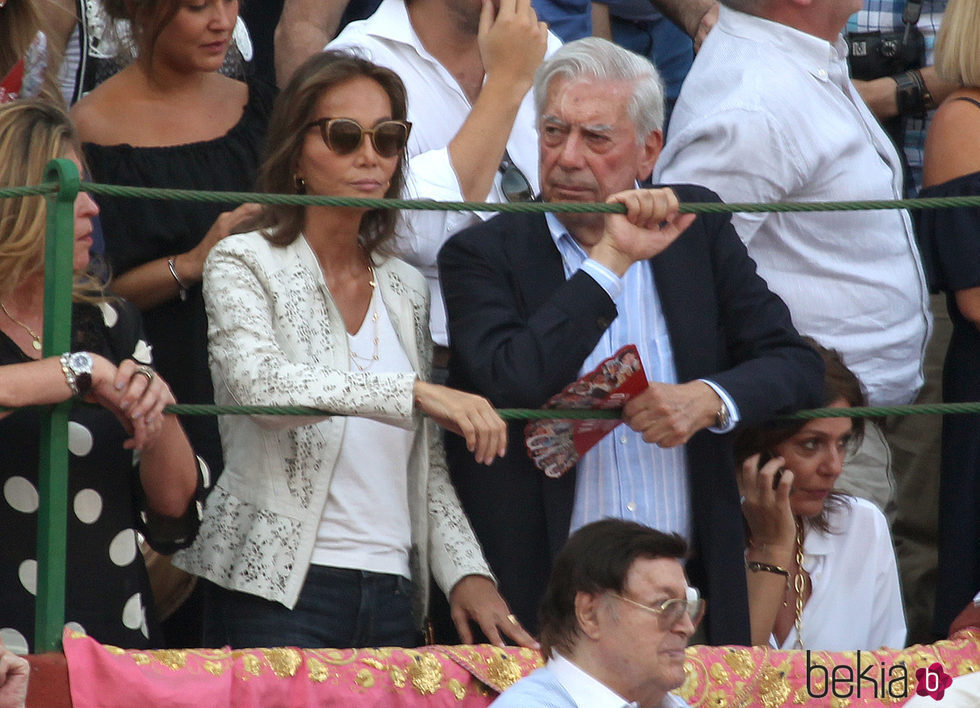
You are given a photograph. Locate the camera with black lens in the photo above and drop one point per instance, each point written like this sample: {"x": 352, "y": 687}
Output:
{"x": 872, "y": 55}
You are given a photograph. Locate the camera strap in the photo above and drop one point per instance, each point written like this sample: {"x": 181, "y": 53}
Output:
{"x": 910, "y": 16}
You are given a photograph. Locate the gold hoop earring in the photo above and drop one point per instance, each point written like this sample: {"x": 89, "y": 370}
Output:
{"x": 300, "y": 184}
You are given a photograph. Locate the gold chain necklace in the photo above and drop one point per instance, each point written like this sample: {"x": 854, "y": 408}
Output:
{"x": 799, "y": 585}
{"x": 34, "y": 335}
{"x": 356, "y": 358}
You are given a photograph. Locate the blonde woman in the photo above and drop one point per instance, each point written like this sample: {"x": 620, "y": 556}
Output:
{"x": 131, "y": 467}
{"x": 951, "y": 251}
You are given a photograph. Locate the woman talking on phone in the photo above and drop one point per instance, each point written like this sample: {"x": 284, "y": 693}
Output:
{"x": 820, "y": 566}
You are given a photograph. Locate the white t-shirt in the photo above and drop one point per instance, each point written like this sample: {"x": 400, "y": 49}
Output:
{"x": 366, "y": 524}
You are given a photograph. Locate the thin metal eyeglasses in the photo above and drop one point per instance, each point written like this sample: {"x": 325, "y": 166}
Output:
{"x": 344, "y": 135}
{"x": 670, "y": 611}
{"x": 513, "y": 183}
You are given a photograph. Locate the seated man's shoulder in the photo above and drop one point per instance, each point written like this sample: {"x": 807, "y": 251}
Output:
{"x": 539, "y": 689}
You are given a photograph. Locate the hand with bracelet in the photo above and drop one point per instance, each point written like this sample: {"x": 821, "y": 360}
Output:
{"x": 766, "y": 489}
{"x": 771, "y": 552}
{"x": 186, "y": 268}
{"x": 132, "y": 391}
{"x": 137, "y": 395}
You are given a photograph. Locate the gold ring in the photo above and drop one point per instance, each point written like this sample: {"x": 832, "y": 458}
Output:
{"x": 146, "y": 371}
{"x": 513, "y": 619}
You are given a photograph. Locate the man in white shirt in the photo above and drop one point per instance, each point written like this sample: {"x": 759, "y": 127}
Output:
{"x": 768, "y": 114}
{"x": 615, "y": 621}
{"x": 468, "y": 73}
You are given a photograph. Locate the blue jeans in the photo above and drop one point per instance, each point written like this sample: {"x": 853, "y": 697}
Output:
{"x": 337, "y": 607}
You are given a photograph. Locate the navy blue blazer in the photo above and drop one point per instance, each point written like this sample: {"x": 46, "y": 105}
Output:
{"x": 519, "y": 333}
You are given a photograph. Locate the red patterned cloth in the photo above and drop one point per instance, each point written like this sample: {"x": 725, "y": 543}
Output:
{"x": 108, "y": 677}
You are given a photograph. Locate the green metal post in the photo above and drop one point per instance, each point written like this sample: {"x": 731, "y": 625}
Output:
{"x": 52, "y": 520}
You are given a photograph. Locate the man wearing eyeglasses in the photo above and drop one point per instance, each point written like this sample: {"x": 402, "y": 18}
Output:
{"x": 615, "y": 621}
{"x": 536, "y": 301}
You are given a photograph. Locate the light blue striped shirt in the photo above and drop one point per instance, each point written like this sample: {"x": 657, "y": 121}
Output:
{"x": 623, "y": 476}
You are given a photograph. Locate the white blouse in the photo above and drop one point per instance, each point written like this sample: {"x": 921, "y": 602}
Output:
{"x": 856, "y": 601}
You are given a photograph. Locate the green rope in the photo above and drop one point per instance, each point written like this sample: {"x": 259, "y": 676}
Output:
{"x": 588, "y": 414}
{"x": 46, "y": 188}
{"x": 881, "y": 411}
{"x": 505, "y": 413}
{"x": 508, "y": 207}
{"x": 200, "y": 409}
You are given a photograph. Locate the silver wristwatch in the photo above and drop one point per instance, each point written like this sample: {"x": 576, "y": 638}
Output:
{"x": 77, "y": 367}
{"x": 723, "y": 418}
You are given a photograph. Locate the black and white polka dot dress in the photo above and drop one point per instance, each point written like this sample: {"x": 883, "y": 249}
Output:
{"x": 107, "y": 590}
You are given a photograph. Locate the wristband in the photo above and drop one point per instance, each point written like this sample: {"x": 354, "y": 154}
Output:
{"x": 911, "y": 94}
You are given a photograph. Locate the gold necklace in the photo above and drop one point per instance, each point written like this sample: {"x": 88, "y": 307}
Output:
{"x": 356, "y": 358}
{"x": 34, "y": 335}
{"x": 799, "y": 585}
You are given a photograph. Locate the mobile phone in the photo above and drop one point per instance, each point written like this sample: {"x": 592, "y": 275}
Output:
{"x": 764, "y": 458}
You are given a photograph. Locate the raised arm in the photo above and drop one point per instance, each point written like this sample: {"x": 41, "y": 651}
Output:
{"x": 772, "y": 548}
{"x": 512, "y": 45}
{"x": 516, "y": 355}
{"x": 305, "y": 27}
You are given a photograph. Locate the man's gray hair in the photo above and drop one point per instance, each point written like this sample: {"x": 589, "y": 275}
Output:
{"x": 595, "y": 58}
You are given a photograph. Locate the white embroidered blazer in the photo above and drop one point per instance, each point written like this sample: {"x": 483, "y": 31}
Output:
{"x": 276, "y": 337}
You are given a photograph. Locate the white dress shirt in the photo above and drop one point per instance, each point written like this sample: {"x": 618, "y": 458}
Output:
{"x": 856, "y": 601}
{"x": 583, "y": 687}
{"x": 562, "y": 684}
{"x": 437, "y": 108}
{"x": 769, "y": 114}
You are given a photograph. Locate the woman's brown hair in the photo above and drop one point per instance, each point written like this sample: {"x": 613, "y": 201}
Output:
{"x": 146, "y": 19}
{"x": 839, "y": 383}
{"x": 292, "y": 112}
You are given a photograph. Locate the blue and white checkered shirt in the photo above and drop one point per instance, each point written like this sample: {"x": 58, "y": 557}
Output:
{"x": 623, "y": 476}
{"x": 886, "y": 16}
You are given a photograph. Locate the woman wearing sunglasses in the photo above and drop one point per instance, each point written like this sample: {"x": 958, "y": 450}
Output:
{"x": 820, "y": 565}
{"x": 323, "y": 531}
